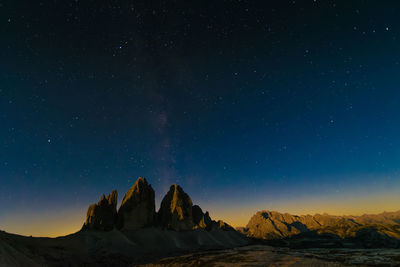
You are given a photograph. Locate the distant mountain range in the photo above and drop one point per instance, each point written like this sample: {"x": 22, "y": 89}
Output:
{"x": 380, "y": 230}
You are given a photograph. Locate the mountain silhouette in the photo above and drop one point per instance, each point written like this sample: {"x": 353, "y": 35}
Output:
{"x": 133, "y": 234}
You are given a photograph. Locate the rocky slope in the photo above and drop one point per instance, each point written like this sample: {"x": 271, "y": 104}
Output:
{"x": 381, "y": 230}
{"x": 110, "y": 248}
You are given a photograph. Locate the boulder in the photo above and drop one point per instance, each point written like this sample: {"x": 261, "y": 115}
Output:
{"x": 176, "y": 210}
{"x": 102, "y": 215}
{"x": 138, "y": 207}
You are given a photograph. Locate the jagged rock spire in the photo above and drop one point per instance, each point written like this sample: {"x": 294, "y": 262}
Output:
{"x": 138, "y": 207}
{"x": 102, "y": 215}
{"x": 138, "y": 210}
{"x": 176, "y": 210}
{"x": 201, "y": 219}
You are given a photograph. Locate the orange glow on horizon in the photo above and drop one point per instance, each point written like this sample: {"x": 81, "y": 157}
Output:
{"x": 44, "y": 225}
{"x": 236, "y": 214}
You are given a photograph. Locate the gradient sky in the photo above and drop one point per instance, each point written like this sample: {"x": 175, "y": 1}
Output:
{"x": 284, "y": 105}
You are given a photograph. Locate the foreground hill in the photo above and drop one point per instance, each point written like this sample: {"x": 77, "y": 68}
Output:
{"x": 367, "y": 231}
{"x": 111, "y": 248}
{"x": 134, "y": 234}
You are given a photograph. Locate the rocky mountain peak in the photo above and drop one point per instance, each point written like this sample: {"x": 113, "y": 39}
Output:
{"x": 137, "y": 210}
{"x": 138, "y": 206}
{"x": 176, "y": 210}
{"x": 102, "y": 215}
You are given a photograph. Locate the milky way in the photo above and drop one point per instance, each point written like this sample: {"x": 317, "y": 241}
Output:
{"x": 245, "y": 104}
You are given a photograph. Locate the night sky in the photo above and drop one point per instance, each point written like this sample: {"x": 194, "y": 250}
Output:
{"x": 285, "y": 105}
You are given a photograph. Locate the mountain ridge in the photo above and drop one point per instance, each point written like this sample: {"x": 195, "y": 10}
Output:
{"x": 137, "y": 211}
{"x": 372, "y": 230}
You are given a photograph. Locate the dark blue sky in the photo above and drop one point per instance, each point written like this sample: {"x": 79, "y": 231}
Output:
{"x": 237, "y": 101}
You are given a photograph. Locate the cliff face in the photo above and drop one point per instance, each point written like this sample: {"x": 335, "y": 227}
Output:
{"x": 102, "y": 215}
{"x": 137, "y": 211}
{"x": 138, "y": 207}
{"x": 201, "y": 219}
{"x": 176, "y": 210}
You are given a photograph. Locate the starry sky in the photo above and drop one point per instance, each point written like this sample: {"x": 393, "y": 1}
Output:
{"x": 285, "y": 105}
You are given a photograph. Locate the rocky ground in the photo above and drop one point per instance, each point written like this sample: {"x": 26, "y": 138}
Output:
{"x": 259, "y": 255}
